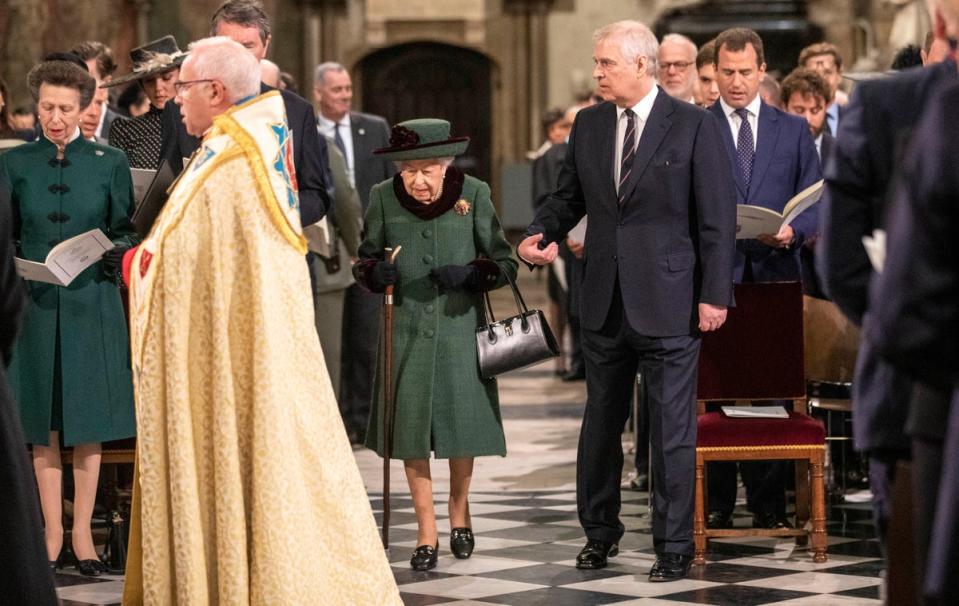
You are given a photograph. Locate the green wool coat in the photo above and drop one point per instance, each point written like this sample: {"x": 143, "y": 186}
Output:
{"x": 83, "y": 323}
{"x": 443, "y": 405}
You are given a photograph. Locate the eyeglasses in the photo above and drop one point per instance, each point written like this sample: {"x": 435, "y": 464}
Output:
{"x": 679, "y": 65}
{"x": 181, "y": 85}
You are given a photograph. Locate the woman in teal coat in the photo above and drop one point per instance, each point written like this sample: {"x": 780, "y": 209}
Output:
{"x": 70, "y": 370}
{"x": 453, "y": 249}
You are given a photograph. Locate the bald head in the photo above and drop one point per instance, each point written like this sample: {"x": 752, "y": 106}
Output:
{"x": 269, "y": 73}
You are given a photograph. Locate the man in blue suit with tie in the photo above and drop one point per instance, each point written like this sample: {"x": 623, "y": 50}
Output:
{"x": 774, "y": 158}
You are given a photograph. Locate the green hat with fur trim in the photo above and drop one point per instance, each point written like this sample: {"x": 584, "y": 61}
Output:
{"x": 421, "y": 139}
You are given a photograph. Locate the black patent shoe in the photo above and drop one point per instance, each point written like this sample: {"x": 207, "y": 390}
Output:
{"x": 91, "y": 568}
{"x": 770, "y": 521}
{"x": 424, "y": 557}
{"x": 594, "y": 554}
{"x": 670, "y": 567}
{"x": 462, "y": 543}
{"x": 54, "y": 566}
{"x": 719, "y": 519}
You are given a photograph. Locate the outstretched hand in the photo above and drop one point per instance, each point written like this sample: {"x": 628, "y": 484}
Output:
{"x": 530, "y": 252}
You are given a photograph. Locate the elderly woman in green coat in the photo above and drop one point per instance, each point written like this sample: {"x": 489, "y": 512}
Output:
{"x": 453, "y": 249}
{"x": 70, "y": 369}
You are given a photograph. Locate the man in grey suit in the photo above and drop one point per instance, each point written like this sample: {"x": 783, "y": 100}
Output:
{"x": 356, "y": 135}
{"x": 330, "y": 259}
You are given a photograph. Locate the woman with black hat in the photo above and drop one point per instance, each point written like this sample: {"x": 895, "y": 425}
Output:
{"x": 453, "y": 250}
{"x": 155, "y": 67}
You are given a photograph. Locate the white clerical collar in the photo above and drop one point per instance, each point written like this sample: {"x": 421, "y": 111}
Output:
{"x": 752, "y": 107}
{"x": 330, "y": 124}
{"x": 643, "y": 108}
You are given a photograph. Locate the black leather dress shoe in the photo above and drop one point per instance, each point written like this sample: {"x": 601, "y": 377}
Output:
{"x": 670, "y": 567}
{"x": 594, "y": 554}
{"x": 462, "y": 543}
{"x": 640, "y": 483}
{"x": 574, "y": 375}
{"x": 424, "y": 557}
{"x": 719, "y": 519}
{"x": 91, "y": 568}
{"x": 770, "y": 521}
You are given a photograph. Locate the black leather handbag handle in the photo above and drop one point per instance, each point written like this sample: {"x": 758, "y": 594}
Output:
{"x": 520, "y": 305}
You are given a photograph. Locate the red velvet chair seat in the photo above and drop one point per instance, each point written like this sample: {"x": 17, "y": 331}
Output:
{"x": 717, "y": 430}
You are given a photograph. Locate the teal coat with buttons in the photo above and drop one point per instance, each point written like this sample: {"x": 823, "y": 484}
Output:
{"x": 443, "y": 405}
{"x": 82, "y": 324}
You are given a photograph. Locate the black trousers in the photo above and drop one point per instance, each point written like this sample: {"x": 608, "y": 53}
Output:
{"x": 613, "y": 355}
{"x": 641, "y": 459}
{"x": 361, "y": 334}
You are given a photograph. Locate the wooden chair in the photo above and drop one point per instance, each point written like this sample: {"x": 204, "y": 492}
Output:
{"x": 758, "y": 355}
{"x": 831, "y": 347}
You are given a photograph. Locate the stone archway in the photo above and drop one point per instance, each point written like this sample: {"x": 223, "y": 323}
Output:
{"x": 429, "y": 79}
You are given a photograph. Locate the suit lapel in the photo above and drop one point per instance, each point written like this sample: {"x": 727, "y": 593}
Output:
{"x": 765, "y": 146}
{"x": 654, "y": 131}
{"x": 727, "y": 136}
{"x": 608, "y": 156}
{"x": 359, "y": 144}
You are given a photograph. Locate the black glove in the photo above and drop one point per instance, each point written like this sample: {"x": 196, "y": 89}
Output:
{"x": 384, "y": 274}
{"x": 455, "y": 277}
{"x": 113, "y": 261}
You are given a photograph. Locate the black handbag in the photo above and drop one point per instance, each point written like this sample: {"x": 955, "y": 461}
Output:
{"x": 515, "y": 342}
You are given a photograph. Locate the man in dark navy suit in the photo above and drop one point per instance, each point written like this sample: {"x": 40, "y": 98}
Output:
{"x": 888, "y": 408}
{"x": 651, "y": 173}
{"x": 246, "y": 22}
{"x": 915, "y": 305}
{"x": 806, "y": 94}
{"x": 774, "y": 158}
{"x": 32, "y": 583}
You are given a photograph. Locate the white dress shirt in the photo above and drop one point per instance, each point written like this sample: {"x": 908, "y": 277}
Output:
{"x": 735, "y": 121}
{"x": 641, "y": 110}
{"x": 328, "y": 128}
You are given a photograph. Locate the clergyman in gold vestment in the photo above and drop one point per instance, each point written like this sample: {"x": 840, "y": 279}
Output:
{"x": 244, "y": 470}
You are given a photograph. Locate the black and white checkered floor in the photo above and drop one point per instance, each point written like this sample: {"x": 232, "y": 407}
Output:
{"x": 526, "y": 543}
{"x": 523, "y": 512}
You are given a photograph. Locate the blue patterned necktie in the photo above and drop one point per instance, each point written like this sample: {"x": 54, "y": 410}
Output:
{"x": 629, "y": 152}
{"x": 744, "y": 147}
{"x": 338, "y": 140}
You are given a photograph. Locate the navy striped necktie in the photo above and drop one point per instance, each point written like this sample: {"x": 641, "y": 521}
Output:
{"x": 744, "y": 147}
{"x": 629, "y": 153}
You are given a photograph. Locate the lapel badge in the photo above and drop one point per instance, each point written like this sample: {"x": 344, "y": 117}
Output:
{"x": 99, "y": 152}
{"x": 361, "y": 131}
{"x": 462, "y": 207}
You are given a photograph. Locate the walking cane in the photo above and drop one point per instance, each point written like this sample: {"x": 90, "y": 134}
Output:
{"x": 388, "y": 408}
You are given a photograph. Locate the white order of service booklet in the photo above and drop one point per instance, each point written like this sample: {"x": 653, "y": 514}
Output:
{"x": 142, "y": 178}
{"x": 67, "y": 259}
{"x": 753, "y": 221}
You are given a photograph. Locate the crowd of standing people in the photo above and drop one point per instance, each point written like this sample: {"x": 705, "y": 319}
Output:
{"x": 251, "y": 361}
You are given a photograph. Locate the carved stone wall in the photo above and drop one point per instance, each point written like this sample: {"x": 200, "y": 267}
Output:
{"x": 29, "y": 29}
{"x": 539, "y": 50}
